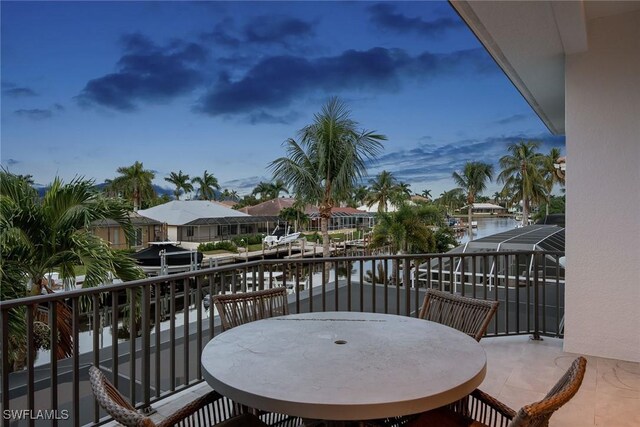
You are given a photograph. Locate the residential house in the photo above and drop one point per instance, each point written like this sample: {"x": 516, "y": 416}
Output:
{"x": 486, "y": 209}
{"x": 146, "y": 230}
{"x": 205, "y": 221}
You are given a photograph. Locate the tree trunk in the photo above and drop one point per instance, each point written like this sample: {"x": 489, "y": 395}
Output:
{"x": 525, "y": 211}
{"x": 470, "y": 218}
{"x": 324, "y": 230}
{"x": 547, "y": 208}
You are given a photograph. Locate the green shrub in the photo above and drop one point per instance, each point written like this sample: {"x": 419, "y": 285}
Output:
{"x": 212, "y": 246}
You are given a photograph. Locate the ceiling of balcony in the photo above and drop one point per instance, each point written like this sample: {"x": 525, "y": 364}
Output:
{"x": 529, "y": 41}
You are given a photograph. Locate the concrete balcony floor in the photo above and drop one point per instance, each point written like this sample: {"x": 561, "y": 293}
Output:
{"x": 521, "y": 371}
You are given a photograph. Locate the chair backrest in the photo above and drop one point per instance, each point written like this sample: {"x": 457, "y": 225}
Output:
{"x": 237, "y": 309}
{"x": 538, "y": 414}
{"x": 468, "y": 315}
{"x": 114, "y": 403}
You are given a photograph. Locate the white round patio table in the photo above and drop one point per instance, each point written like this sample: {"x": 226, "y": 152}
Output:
{"x": 344, "y": 365}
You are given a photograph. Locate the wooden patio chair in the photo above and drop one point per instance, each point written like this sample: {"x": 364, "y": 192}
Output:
{"x": 208, "y": 410}
{"x": 468, "y": 315}
{"x": 481, "y": 410}
{"x": 237, "y": 309}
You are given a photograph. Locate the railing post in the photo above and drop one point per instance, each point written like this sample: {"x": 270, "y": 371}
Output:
{"x": 4, "y": 340}
{"x": 536, "y": 311}
{"x": 407, "y": 286}
{"x": 146, "y": 353}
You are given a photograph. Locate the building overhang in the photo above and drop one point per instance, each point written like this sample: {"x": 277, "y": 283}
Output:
{"x": 530, "y": 39}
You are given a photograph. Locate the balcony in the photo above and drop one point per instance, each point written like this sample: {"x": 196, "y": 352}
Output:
{"x": 529, "y": 286}
{"x": 521, "y": 371}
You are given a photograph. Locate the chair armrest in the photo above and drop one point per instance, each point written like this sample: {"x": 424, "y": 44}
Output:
{"x": 483, "y": 408}
{"x": 212, "y": 407}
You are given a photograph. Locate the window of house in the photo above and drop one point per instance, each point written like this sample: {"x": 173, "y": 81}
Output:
{"x": 138, "y": 238}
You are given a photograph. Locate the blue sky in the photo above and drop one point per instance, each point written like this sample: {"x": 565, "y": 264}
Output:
{"x": 91, "y": 86}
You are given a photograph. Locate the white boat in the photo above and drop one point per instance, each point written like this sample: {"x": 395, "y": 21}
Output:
{"x": 280, "y": 236}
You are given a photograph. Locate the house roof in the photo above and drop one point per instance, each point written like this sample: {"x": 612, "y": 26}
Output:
{"x": 135, "y": 217}
{"x": 181, "y": 212}
{"x": 270, "y": 207}
{"x": 532, "y": 237}
{"x": 374, "y": 207}
{"x": 228, "y": 203}
{"x": 486, "y": 206}
{"x": 340, "y": 212}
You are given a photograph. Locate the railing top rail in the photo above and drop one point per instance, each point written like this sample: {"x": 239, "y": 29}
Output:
{"x": 39, "y": 299}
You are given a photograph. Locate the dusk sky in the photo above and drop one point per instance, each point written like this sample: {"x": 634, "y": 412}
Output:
{"x": 91, "y": 86}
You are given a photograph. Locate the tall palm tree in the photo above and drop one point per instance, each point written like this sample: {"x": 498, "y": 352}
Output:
{"x": 426, "y": 194}
{"x": 381, "y": 190}
{"x": 401, "y": 193}
{"x": 134, "y": 183}
{"x": 276, "y": 187}
{"x": 497, "y": 197}
{"x": 521, "y": 173}
{"x": 181, "y": 182}
{"x": 452, "y": 199}
{"x": 41, "y": 235}
{"x": 324, "y": 166}
{"x": 207, "y": 185}
{"x": 264, "y": 190}
{"x": 473, "y": 180}
{"x": 550, "y": 175}
{"x": 359, "y": 196}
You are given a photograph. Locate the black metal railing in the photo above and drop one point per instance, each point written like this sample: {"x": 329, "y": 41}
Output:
{"x": 147, "y": 335}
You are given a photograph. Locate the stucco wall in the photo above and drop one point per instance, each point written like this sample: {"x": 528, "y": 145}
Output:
{"x": 603, "y": 191}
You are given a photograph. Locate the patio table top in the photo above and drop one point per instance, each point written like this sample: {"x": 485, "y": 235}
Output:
{"x": 344, "y": 365}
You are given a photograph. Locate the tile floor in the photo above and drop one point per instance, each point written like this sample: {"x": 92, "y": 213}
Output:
{"x": 521, "y": 371}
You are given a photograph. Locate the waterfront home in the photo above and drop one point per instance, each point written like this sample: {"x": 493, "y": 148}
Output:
{"x": 206, "y": 221}
{"x": 486, "y": 209}
{"x": 146, "y": 230}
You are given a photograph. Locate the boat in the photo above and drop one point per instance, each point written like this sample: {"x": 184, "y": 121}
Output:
{"x": 162, "y": 258}
{"x": 280, "y": 236}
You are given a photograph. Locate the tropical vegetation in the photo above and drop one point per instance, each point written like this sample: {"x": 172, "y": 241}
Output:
{"x": 327, "y": 161}
{"x": 134, "y": 183}
{"x": 473, "y": 180}
{"x": 182, "y": 183}
{"x": 522, "y": 174}
{"x": 40, "y": 235}
{"x": 208, "y": 184}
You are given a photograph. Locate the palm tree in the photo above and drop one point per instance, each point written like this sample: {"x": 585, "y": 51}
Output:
{"x": 233, "y": 195}
{"x": 324, "y": 166}
{"x": 426, "y": 194}
{"x": 473, "y": 181}
{"x": 452, "y": 199}
{"x": 41, "y": 235}
{"x": 208, "y": 184}
{"x": 401, "y": 193}
{"x": 277, "y": 187}
{"x": 134, "y": 183}
{"x": 381, "y": 190}
{"x": 550, "y": 175}
{"x": 497, "y": 197}
{"x": 521, "y": 173}
{"x": 264, "y": 190}
{"x": 359, "y": 196}
{"x": 407, "y": 230}
{"x": 181, "y": 182}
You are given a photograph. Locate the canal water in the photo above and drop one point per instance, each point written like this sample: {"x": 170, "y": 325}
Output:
{"x": 488, "y": 227}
